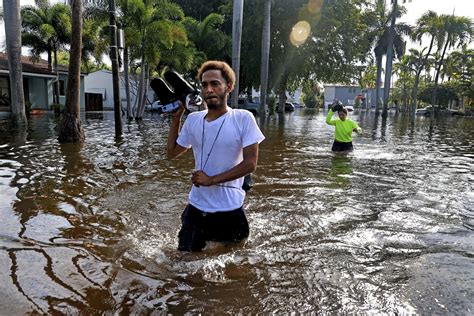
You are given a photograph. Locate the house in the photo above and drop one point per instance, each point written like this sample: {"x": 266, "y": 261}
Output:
{"x": 38, "y": 84}
{"x": 348, "y": 94}
{"x": 294, "y": 97}
{"x": 100, "y": 82}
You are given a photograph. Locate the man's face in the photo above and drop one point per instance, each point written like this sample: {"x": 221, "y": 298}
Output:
{"x": 214, "y": 89}
{"x": 342, "y": 115}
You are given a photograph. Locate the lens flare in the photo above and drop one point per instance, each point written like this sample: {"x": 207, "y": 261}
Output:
{"x": 314, "y": 6}
{"x": 300, "y": 33}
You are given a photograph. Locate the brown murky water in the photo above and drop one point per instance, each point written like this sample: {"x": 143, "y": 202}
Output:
{"x": 386, "y": 229}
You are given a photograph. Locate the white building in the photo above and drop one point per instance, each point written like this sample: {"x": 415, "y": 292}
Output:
{"x": 100, "y": 82}
{"x": 294, "y": 97}
{"x": 348, "y": 94}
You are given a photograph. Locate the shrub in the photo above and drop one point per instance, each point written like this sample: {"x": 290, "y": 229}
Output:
{"x": 57, "y": 108}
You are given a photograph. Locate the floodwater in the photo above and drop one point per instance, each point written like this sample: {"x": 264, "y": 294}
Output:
{"x": 387, "y": 229}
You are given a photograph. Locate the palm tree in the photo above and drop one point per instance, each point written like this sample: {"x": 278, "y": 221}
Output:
{"x": 427, "y": 24}
{"x": 404, "y": 69}
{"x": 462, "y": 72}
{"x": 70, "y": 129}
{"x": 207, "y": 36}
{"x": 379, "y": 36}
{"x": 265, "y": 55}
{"x": 94, "y": 27}
{"x": 395, "y": 45}
{"x": 46, "y": 28}
{"x": 155, "y": 37}
{"x": 379, "y": 51}
{"x": 381, "y": 48}
{"x": 456, "y": 31}
{"x": 419, "y": 61}
{"x": 13, "y": 41}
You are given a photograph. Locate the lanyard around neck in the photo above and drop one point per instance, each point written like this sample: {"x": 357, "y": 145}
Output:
{"x": 213, "y": 143}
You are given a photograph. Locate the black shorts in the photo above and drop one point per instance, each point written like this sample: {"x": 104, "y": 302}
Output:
{"x": 198, "y": 227}
{"x": 341, "y": 146}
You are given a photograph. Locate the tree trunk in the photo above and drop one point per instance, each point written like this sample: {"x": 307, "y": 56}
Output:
{"x": 435, "y": 89}
{"x": 388, "y": 65}
{"x": 146, "y": 80}
{"x": 56, "y": 82}
{"x": 378, "y": 84}
{"x": 236, "y": 41}
{"x": 13, "y": 42}
{"x": 70, "y": 130}
{"x": 127, "y": 82}
{"x": 282, "y": 94}
{"x": 415, "y": 92}
{"x": 50, "y": 59}
{"x": 265, "y": 55}
{"x": 408, "y": 102}
{"x": 417, "y": 77}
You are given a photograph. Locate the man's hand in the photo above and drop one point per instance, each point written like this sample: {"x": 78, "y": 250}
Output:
{"x": 199, "y": 177}
{"x": 173, "y": 150}
{"x": 178, "y": 114}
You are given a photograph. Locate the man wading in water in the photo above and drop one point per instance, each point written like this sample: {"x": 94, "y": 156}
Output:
{"x": 344, "y": 128}
{"x": 225, "y": 148}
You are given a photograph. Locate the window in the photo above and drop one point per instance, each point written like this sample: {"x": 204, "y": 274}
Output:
{"x": 4, "y": 92}
{"x": 62, "y": 87}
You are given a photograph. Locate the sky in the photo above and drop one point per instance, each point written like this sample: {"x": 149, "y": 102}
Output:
{"x": 416, "y": 8}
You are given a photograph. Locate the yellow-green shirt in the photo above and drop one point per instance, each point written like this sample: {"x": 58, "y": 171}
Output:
{"x": 343, "y": 128}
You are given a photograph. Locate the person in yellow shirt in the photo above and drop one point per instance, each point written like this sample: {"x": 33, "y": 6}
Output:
{"x": 344, "y": 128}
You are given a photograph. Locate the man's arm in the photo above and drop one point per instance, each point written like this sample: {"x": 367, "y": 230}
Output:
{"x": 173, "y": 150}
{"x": 356, "y": 128}
{"x": 248, "y": 165}
{"x": 329, "y": 119}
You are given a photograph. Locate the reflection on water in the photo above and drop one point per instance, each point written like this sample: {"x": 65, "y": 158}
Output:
{"x": 386, "y": 228}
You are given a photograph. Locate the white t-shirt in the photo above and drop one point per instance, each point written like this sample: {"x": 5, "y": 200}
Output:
{"x": 224, "y": 139}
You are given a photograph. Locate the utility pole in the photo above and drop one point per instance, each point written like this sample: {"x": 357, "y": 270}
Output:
{"x": 265, "y": 55}
{"x": 115, "y": 69}
{"x": 389, "y": 61}
{"x": 236, "y": 41}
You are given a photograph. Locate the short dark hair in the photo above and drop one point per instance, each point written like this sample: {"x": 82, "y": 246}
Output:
{"x": 225, "y": 69}
{"x": 344, "y": 110}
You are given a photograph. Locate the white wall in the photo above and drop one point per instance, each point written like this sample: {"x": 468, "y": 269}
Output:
{"x": 329, "y": 95}
{"x": 101, "y": 82}
{"x": 294, "y": 98}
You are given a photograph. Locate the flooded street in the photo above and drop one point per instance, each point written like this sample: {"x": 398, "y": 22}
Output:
{"x": 386, "y": 229}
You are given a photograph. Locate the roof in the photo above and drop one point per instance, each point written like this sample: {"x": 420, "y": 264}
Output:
{"x": 34, "y": 67}
{"x": 102, "y": 70}
{"x": 341, "y": 85}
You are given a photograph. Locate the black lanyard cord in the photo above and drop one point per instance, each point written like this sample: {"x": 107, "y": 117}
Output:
{"x": 213, "y": 143}
{"x": 209, "y": 153}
